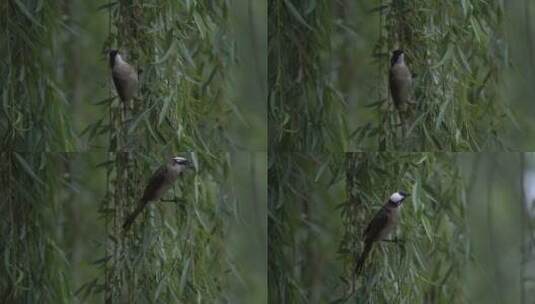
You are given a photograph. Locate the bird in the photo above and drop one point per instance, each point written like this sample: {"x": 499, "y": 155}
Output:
{"x": 384, "y": 221}
{"x": 160, "y": 181}
{"x": 125, "y": 76}
{"x": 400, "y": 80}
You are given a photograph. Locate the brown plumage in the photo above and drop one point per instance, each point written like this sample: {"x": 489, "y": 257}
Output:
{"x": 384, "y": 221}
{"x": 158, "y": 184}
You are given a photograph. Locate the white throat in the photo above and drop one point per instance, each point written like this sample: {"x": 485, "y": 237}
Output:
{"x": 401, "y": 59}
{"x": 119, "y": 59}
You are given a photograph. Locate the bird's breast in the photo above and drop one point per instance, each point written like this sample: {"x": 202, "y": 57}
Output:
{"x": 400, "y": 83}
{"x": 160, "y": 191}
{"x": 401, "y": 72}
{"x": 393, "y": 219}
{"x": 125, "y": 72}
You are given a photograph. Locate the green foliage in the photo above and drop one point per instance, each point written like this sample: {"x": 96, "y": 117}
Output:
{"x": 518, "y": 91}
{"x": 500, "y": 227}
{"x": 305, "y": 111}
{"x": 184, "y": 51}
{"x": 303, "y": 189}
{"x": 329, "y": 76}
{"x": 32, "y": 255}
{"x": 57, "y": 96}
{"x": 458, "y": 57}
{"x": 428, "y": 261}
{"x": 318, "y": 202}
{"x": 54, "y": 76}
{"x": 33, "y": 116}
{"x": 169, "y": 257}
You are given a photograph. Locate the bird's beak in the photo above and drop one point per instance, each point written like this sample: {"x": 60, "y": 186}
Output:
{"x": 189, "y": 165}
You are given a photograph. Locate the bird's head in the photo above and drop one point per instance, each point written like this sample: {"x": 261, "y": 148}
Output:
{"x": 113, "y": 54}
{"x": 398, "y": 197}
{"x": 180, "y": 163}
{"x": 397, "y": 57}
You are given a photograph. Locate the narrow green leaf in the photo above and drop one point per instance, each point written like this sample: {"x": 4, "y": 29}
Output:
{"x": 165, "y": 108}
{"x": 184, "y": 276}
{"x": 296, "y": 14}
{"x": 28, "y": 169}
{"x": 25, "y": 11}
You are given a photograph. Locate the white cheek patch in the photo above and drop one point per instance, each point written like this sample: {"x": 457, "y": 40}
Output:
{"x": 396, "y": 197}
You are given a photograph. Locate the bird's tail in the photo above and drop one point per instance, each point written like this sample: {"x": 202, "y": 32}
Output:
{"x": 359, "y": 265}
{"x": 132, "y": 217}
{"x": 362, "y": 258}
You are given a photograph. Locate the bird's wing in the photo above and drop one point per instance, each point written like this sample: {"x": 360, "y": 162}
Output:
{"x": 377, "y": 224}
{"x": 155, "y": 182}
{"x": 394, "y": 87}
{"x": 118, "y": 80}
